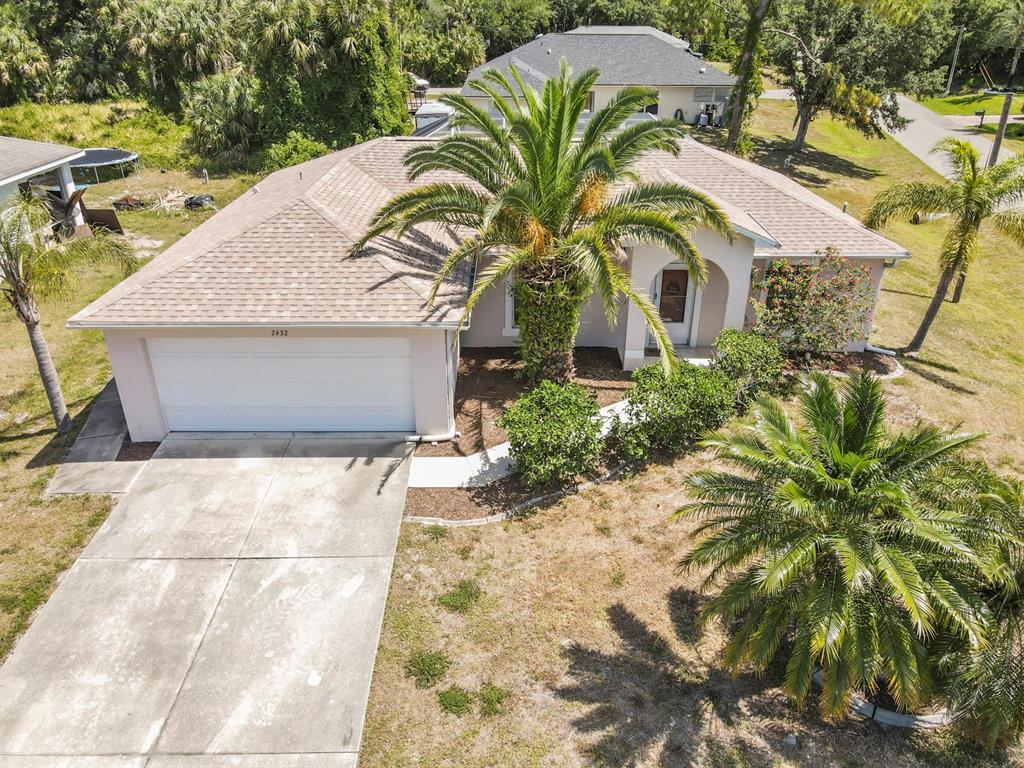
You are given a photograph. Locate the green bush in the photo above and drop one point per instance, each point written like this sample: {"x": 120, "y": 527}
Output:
{"x": 553, "y": 434}
{"x": 455, "y": 700}
{"x": 221, "y": 111}
{"x": 427, "y": 667}
{"x": 296, "y": 148}
{"x": 664, "y": 413}
{"x": 752, "y": 362}
{"x": 492, "y": 697}
{"x": 462, "y": 597}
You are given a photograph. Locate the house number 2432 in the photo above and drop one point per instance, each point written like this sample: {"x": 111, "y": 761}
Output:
{"x": 276, "y": 332}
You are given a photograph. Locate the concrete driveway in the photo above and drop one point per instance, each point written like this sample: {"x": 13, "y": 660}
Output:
{"x": 226, "y": 614}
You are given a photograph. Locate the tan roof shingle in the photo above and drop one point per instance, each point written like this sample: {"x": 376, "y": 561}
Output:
{"x": 280, "y": 253}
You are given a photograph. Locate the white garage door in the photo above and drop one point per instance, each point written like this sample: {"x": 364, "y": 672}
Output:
{"x": 322, "y": 384}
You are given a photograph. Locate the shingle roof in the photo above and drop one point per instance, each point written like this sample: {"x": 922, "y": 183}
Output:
{"x": 21, "y": 157}
{"x": 626, "y": 56}
{"x": 279, "y": 254}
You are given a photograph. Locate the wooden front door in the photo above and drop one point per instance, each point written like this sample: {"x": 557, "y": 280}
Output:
{"x": 672, "y": 296}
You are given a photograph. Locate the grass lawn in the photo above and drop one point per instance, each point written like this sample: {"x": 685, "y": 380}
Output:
{"x": 40, "y": 537}
{"x": 969, "y": 103}
{"x": 1013, "y": 139}
{"x": 972, "y": 367}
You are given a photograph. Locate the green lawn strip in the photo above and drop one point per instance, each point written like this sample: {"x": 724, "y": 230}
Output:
{"x": 969, "y": 103}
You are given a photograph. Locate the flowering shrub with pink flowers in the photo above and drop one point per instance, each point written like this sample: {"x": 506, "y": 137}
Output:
{"x": 818, "y": 307}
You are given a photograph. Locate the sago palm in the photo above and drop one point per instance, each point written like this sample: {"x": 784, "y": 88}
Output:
{"x": 33, "y": 265}
{"x": 972, "y": 195}
{"x": 552, "y": 209}
{"x": 827, "y": 547}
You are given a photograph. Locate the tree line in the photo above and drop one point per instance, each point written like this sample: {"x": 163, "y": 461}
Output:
{"x": 247, "y": 72}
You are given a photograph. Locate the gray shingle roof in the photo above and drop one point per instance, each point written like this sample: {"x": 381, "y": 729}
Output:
{"x": 625, "y": 56}
{"x": 21, "y": 157}
{"x": 279, "y": 254}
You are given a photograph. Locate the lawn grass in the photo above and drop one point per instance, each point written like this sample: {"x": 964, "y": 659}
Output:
{"x": 593, "y": 675}
{"x": 41, "y": 536}
{"x": 969, "y": 103}
{"x": 972, "y": 366}
{"x": 1013, "y": 139}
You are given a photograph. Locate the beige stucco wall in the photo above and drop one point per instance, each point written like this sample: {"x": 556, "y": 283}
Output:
{"x": 670, "y": 98}
{"x": 432, "y": 364}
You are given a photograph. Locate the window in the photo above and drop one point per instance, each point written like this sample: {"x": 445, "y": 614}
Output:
{"x": 702, "y": 95}
{"x": 590, "y": 102}
{"x": 652, "y": 109}
{"x": 722, "y": 95}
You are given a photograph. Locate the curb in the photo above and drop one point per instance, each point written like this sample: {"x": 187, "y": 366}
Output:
{"x": 864, "y": 708}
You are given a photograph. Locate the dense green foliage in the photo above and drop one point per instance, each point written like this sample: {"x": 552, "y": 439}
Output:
{"x": 553, "y": 434}
{"x": 837, "y": 549}
{"x": 751, "y": 361}
{"x": 665, "y": 412}
{"x": 546, "y": 316}
{"x": 544, "y": 207}
{"x": 223, "y": 114}
{"x": 296, "y": 148}
{"x": 814, "y": 308}
{"x": 427, "y": 667}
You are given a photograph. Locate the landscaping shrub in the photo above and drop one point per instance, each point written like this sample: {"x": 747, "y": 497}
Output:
{"x": 817, "y": 308}
{"x": 752, "y": 362}
{"x": 296, "y": 148}
{"x": 491, "y": 699}
{"x": 665, "y": 412}
{"x": 427, "y": 667}
{"x": 455, "y": 700}
{"x": 553, "y": 434}
{"x": 462, "y": 597}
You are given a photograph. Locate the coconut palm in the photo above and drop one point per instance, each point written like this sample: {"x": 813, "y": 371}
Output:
{"x": 826, "y": 543}
{"x": 552, "y": 210}
{"x": 970, "y": 196}
{"x": 35, "y": 265}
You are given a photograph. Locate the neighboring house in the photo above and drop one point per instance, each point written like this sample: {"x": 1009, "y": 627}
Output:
{"x": 261, "y": 318}
{"x": 22, "y": 160}
{"x": 687, "y": 85}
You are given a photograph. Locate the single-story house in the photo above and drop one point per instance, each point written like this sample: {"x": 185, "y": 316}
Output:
{"x": 22, "y": 160}
{"x": 687, "y": 85}
{"x": 262, "y": 319}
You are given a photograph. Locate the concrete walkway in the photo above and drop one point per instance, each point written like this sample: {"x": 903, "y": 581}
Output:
{"x": 90, "y": 466}
{"x": 928, "y": 128}
{"x": 227, "y": 613}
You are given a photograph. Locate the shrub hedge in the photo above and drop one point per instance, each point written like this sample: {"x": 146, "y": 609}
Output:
{"x": 665, "y": 412}
{"x": 553, "y": 434}
{"x": 752, "y": 362}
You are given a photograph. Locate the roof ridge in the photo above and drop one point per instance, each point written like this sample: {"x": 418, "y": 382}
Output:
{"x": 767, "y": 177}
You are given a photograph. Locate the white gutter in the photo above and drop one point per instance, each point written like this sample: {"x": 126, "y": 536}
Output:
{"x": 28, "y": 174}
{"x": 83, "y": 324}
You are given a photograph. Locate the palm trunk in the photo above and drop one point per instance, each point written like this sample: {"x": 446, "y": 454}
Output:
{"x": 741, "y": 94}
{"x": 958, "y": 291}
{"x": 48, "y": 374}
{"x": 933, "y": 309}
{"x": 549, "y": 319}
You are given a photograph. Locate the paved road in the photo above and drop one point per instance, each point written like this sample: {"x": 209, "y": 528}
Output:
{"x": 227, "y": 613}
{"x": 928, "y": 128}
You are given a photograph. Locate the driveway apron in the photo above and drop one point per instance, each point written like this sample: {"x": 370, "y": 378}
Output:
{"x": 227, "y": 613}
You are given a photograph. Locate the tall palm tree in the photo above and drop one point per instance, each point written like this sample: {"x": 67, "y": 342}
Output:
{"x": 34, "y": 265}
{"x": 972, "y": 195}
{"x": 823, "y": 537}
{"x": 551, "y": 209}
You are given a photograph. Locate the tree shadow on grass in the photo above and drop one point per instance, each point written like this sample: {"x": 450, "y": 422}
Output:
{"x": 924, "y": 369}
{"x": 775, "y": 153}
{"x": 55, "y": 448}
{"x": 645, "y": 697}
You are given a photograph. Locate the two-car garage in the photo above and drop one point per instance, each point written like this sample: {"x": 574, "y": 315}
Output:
{"x": 274, "y": 380}
{"x": 281, "y": 382}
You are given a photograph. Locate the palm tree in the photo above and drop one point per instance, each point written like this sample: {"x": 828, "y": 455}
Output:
{"x": 552, "y": 210}
{"x": 1008, "y": 31}
{"x": 824, "y": 539}
{"x": 34, "y": 265}
{"x": 972, "y": 195}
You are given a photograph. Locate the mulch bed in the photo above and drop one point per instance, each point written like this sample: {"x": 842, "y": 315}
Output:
{"x": 488, "y": 384}
{"x": 851, "y": 362}
{"x": 136, "y": 451}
